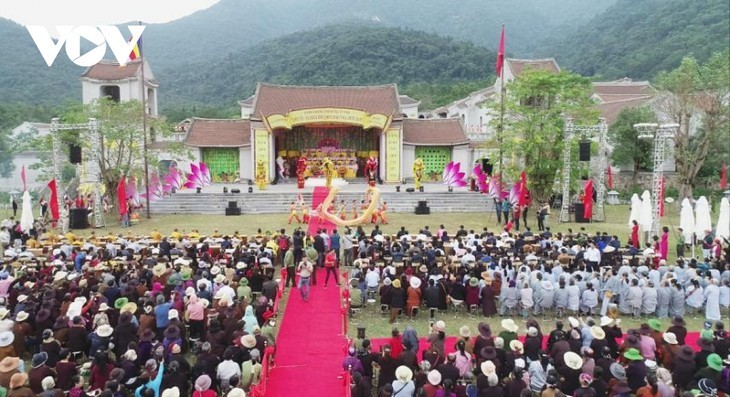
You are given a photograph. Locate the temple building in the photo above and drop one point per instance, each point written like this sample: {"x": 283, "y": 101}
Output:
{"x": 280, "y": 123}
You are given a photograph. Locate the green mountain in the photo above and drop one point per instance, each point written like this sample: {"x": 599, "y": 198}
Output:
{"x": 232, "y": 25}
{"x": 332, "y": 55}
{"x": 641, "y": 38}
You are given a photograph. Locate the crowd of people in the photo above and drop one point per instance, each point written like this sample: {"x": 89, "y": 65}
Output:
{"x": 580, "y": 358}
{"x": 119, "y": 315}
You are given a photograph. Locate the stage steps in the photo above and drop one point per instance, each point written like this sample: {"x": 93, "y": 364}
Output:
{"x": 272, "y": 202}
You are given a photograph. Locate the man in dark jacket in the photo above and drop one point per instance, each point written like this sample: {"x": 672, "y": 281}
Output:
{"x": 431, "y": 294}
{"x": 448, "y": 370}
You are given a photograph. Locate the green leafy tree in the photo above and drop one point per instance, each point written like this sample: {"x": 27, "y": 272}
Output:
{"x": 6, "y": 155}
{"x": 628, "y": 149}
{"x": 696, "y": 97}
{"x": 537, "y": 104}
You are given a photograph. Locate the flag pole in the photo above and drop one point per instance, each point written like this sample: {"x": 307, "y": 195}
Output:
{"x": 144, "y": 134}
{"x": 503, "y": 91}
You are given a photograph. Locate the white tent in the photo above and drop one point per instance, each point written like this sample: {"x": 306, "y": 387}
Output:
{"x": 723, "y": 222}
{"x": 26, "y": 217}
{"x": 635, "y": 209}
{"x": 702, "y": 217}
{"x": 687, "y": 220}
{"x": 646, "y": 215}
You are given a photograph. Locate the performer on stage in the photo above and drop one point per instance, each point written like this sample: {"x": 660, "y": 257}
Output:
{"x": 382, "y": 213}
{"x": 355, "y": 213}
{"x": 328, "y": 169}
{"x": 342, "y": 211}
{"x": 371, "y": 170}
{"x": 293, "y": 213}
{"x": 418, "y": 172}
{"x": 301, "y": 169}
{"x": 305, "y": 214}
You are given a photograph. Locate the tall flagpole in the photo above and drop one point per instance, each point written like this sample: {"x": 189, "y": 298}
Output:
{"x": 503, "y": 91}
{"x": 144, "y": 133}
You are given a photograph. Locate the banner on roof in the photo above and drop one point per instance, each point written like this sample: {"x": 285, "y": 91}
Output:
{"x": 327, "y": 116}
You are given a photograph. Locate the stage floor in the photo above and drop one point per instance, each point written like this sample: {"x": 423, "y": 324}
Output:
{"x": 291, "y": 187}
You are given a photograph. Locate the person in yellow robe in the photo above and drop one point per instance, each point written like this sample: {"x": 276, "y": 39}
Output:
{"x": 293, "y": 214}
{"x": 382, "y": 213}
{"x": 418, "y": 172}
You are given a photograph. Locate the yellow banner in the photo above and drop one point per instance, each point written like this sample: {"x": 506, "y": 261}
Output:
{"x": 327, "y": 115}
{"x": 261, "y": 149}
{"x": 392, "y": 155}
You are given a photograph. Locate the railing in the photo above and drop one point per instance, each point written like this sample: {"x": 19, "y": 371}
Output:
{"x": 268, "y": 359}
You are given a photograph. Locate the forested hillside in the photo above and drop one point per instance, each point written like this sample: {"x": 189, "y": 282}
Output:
{"x": 333, "y": 55}
{"x": 641, "y": 38}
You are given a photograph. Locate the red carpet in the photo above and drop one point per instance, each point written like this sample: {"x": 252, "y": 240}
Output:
{"x": 315, "y": 223}
{"x": 450, "y": 345}
{"x": 310, "y": 345}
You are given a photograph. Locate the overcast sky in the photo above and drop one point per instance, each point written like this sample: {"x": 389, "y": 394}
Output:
{"x": 98, "y": 12}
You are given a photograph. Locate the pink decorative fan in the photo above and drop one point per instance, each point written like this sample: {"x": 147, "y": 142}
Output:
{"x": 173, "y": 180}
{"x": 481, "y": 177}
{"x": 453, "y": 176}
{"x": 514, "y": 194}
{"x": 157, "y": 191}
{"x": 199, "y": 176}
{"x": 132, "y": 193}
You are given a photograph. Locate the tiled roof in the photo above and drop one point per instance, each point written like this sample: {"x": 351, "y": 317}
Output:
{"x": 219, "y": 133}
{"x": 622, "y": 89}
{"x": 248, "y": 102}
{"x": 108, "y": 70}
{"x": 406, "y": 100}
{"x": 277, "y": 99}
{"x": 437, "y": 132}
{"x": 610, "y": 110}
{"x": 519, "y": 65}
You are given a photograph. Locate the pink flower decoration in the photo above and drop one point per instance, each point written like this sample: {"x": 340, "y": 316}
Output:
{"x": 453, "y": 176}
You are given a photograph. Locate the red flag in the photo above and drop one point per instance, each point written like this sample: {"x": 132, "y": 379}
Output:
{"x": 122, "y": 196}
{"x": 54, "y": 200}
{"x": 610, "y": 177}
{"x": 588, "y": 200}
{"x": 500, "y": 54}
{"x": 22, "y": 177}
{"x": 522, "y": 202}
{"x": 723, "y": 177}
{"x": 661, "y": 199}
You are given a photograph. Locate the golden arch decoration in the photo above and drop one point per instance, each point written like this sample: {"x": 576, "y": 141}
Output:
{"x": 363, "y": 218}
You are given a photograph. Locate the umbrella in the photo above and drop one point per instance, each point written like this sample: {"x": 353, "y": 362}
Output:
{"x": 26, "y": 217}
{"x": 723, "y": 222}
{"x": 687, "y": 220}
{"x": 636, "y": 209}
{"x": 703, "y": 223}
{"x": 646, "y": 215}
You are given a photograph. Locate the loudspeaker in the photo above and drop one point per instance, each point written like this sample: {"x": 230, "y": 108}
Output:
{"x": 233, "y": 204}
{"x": 584, "y": 151}
{"x": 487, "y": 167}
{"x": 410, "y": 190}
{"x": 422, "y": 203}
{"x": 233, "y": 211}
{"x": 74, "y": 154}
{"x": 423, "y": 208}
{"x": 79, "y": 218}
{"x": 236, "y": 191}
{"x": 579, "y": 209}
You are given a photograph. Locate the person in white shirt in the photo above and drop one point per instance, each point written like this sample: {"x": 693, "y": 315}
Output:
{"x": 228, "y": 368}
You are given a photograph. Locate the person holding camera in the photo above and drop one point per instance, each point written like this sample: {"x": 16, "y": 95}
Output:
{"x": 305, "y": 270}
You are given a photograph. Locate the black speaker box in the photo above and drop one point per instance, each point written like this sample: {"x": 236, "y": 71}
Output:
{"x": 236, "y": 191}
{"x": 233, "y": 204}
{"x": 74, "y": 154}
{"x": 579, "y": 209}
{"x": 423, "y": 210}
{"x": 423, "y": 204}
{"x": 79, "y": 218}
{"x": 233, "y": 211}
{"x": 410, "y": 190}
{"x": 584, "y": 151}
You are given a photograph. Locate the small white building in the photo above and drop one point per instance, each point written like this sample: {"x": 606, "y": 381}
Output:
{"x": 120, "y": 83}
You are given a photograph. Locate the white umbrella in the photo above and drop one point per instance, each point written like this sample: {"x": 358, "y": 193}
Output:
{"x": 703, "y": 223}
{"x": 687, "y": 220}
{"x": 646, "y": 215}
{"x": 26, "y": 217}
{"x": 723, "y": 222}
{"x": 635, "y": 209}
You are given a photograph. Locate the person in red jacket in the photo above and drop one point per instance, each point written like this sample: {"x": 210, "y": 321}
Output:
{"x": 330, "y": 265}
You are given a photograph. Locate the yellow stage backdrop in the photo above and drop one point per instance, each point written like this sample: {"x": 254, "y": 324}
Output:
{"x": 261, "y": 149}
{"x": 392, "y": 155}
{"x": 327, "y": 115}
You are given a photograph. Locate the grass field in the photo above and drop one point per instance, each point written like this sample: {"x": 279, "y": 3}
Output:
{"x": 377, "y": 324}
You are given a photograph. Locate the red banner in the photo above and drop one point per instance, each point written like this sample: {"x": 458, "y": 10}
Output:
{"x": 500, "y": 54}
{"x": 588, "y": 200}
{"x": 723, "y": 177}
{"x": 523, "y": 190}
{"x": 53, "y": 202}
{"x": 610, "y": 177}
{"x": 122, "y": 196}
{"x": 661, "y": 199}
{"x": 22, "y": 178}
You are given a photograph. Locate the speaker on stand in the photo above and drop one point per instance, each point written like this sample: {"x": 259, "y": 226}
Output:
{"x": 584, "y": 150}
{"x": 423, "y": 208}
{"x": 74, "y": 154}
